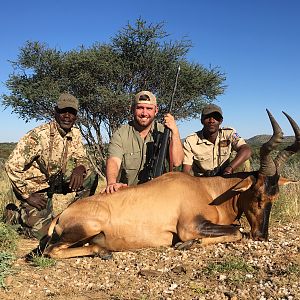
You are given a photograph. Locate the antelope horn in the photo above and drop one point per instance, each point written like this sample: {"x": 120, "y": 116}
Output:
{"x": 267, "y": 165}
{"x": 284, "y": 154}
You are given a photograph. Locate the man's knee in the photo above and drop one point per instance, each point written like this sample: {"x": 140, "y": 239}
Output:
{"x": 35, "y": 223}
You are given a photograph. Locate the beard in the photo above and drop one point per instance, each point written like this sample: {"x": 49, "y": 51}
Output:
{"x": 144, "y": 122}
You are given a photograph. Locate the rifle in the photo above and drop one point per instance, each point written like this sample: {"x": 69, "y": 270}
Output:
{"x": 161, "y": 145}
{"x": 56, "y": 183}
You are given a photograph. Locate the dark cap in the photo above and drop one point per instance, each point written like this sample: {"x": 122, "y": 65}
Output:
{"x": 67, "y": 100}
{"x": 145, "y": 97}
{"x": 211, "y": 108}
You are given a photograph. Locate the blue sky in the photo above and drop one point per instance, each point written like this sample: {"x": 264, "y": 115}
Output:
{"x": 255, "y": 42}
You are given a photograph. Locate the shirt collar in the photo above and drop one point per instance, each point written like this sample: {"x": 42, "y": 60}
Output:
{"x": 203, "y": 140}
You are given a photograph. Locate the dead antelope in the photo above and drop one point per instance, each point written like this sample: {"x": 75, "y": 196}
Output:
{"x": 174, "y": 207}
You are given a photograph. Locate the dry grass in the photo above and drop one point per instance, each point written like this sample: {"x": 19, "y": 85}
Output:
{"x": 6, "y": 194}
{"x": 287, "y": 207}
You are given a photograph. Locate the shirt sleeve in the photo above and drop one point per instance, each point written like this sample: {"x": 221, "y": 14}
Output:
{"x": 236, "y": 140}
{"x": 22, "y": 178}
{"x": 188, "y": 153}
{"x": 115, "y": 147}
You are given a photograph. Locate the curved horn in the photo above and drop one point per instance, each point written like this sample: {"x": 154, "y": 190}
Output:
{"x": 267, "y": 165}
{"x": 283, "y": 155}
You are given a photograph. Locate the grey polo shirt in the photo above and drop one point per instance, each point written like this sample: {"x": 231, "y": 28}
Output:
{"x": 134, "y": 152}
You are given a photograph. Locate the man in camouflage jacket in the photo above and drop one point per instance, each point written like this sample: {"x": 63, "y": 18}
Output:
{"x": 49, "y": 159}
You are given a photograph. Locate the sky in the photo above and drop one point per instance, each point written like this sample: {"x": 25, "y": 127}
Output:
{"x": 256, "y": 43}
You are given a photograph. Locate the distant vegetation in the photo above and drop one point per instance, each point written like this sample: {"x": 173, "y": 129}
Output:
{"x": 260, "y": 139}
{"x": 5, "y": 150}
{"x": 255, "y": 143}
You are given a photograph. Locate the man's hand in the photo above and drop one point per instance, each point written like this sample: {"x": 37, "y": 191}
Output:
{"x": 228, "y": 170}
{"x": 77, "y": 177}
{"x": 113, "y": 187}
{"x": 170, "y": 122}
{"x": 37, "y": 200}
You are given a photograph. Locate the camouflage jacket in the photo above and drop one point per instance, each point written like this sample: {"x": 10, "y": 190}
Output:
{"x": 32, "y": 162}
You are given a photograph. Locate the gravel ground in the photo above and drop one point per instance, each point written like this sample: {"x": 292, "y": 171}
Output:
{"x": 243, "y": 270}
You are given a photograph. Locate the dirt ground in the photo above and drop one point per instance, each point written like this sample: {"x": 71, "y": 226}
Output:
{"x": 241, "y": 270}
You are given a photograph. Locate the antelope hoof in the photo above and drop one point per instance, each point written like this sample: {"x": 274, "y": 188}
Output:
{"x": 184, "y": 245}
{"x": 107, "y": 256}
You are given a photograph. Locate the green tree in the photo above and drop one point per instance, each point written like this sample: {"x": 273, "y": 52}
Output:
{"x": 104, "y": 77}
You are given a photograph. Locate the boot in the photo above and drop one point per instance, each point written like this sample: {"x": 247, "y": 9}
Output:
{"x": 11, "y": 214}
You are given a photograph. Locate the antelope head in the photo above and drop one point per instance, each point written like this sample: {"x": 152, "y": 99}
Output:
{"x": 265, "y": 190}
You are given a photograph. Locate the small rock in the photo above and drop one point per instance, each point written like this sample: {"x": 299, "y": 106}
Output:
{"x": 222, "y": 277}
{"x": 149, "y": 273}
{"x": 179, "y": 269}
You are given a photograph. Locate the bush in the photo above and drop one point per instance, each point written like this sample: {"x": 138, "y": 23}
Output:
{"x": 8, "y": 247}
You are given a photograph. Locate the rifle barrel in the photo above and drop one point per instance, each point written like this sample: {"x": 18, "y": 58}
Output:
{"x": 159, "y": 163}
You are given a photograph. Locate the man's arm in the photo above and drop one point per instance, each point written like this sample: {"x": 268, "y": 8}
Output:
{"x": 113, "y": 165}
{"x": 188, "y": 156}
{"x": 243, "y": 153}
{"x": 176, "y": 145}
{"x": 24, "y": 153}
{"x": 18, "y": 162}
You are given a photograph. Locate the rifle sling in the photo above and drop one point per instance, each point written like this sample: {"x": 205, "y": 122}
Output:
{"x": 65, "y": 151}
{"x": 50, "y": 147}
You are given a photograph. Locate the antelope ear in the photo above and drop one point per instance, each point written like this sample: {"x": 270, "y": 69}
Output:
{"x": 284, "y": 181}
{"x": 244, "y": 185}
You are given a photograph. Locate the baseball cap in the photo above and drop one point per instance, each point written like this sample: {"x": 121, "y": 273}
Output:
{"x": 67, "y": 100}
{"x": 211, "y": 108}
{"x": 145, "y": 97}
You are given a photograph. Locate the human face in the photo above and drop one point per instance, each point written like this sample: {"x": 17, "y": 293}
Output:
{"x": 212, "y": 123}
{"x": 144, "y": 114}
{"x": 66, "y": 118}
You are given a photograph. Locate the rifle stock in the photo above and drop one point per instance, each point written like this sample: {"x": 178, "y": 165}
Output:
{"x": 158, "y": 168}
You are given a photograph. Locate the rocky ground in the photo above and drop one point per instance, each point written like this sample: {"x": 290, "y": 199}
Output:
{"x": 242, "y": 270}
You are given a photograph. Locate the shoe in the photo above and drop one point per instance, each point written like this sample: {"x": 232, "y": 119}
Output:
{"x": 11, "y": 214}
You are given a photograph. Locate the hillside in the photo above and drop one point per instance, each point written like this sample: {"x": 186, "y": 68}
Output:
{"x": 6, "y": 149}
{"x": 260, "y": 139}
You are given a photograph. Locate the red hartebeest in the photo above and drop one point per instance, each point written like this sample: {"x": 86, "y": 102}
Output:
{"x": 173, "y": 207}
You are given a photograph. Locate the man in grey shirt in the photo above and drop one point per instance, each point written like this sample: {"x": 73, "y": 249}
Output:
{"x": 131, "y": 145}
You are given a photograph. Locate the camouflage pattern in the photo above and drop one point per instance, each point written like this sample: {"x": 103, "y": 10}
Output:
{"x": 31, "y": 171}
{"x": 204, "y": 155}
{"x": 35, "y": 223}
{"x": 127, "y": 144}
{"x": 28, "y": 166}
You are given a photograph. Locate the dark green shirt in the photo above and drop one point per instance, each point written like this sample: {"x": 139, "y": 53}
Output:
{"x": 135, "y": 152}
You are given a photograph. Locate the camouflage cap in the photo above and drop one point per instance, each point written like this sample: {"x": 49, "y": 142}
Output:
{"x": 211, "y": 108}
{"x": 145, "y": 97}
{"x": 67, "y": 100}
